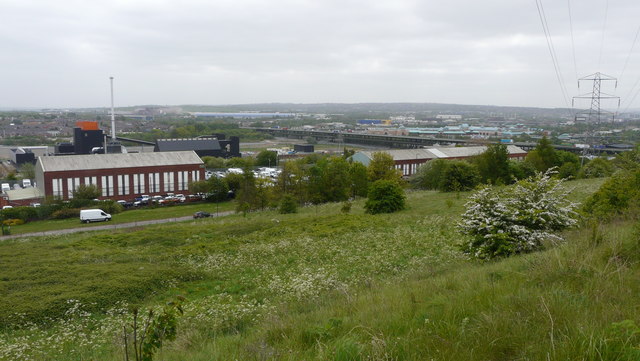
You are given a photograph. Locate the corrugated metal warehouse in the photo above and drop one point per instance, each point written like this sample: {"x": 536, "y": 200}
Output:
{"x": 124, "y": 175}
{"x": 408, "y": 160}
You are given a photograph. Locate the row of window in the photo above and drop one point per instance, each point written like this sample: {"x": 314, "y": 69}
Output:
{"x": 407, "y": 169}
{"x": 128, "y": 184}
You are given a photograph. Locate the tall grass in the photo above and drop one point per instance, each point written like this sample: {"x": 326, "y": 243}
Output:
{"x": 317, "y": 285}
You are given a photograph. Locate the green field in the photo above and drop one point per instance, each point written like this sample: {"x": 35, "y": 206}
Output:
{"x": 325, "y": 285}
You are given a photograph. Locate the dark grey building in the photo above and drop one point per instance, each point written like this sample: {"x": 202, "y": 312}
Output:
{"x": 212, "y": 147}
{"x": 20, "y": 156}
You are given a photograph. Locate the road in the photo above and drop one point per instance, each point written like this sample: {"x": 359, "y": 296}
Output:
{"x": 107, "y": 226}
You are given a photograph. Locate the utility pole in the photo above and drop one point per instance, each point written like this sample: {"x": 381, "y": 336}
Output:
{"x": 595, "y": 114}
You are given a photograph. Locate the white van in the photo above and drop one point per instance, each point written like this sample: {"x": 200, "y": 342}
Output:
{"x": 5, "y": 187}
{"x": 94, "y": 215}
{"x": 26, "y": 183}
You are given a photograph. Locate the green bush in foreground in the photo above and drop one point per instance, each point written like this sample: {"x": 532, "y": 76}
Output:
{"x": 385, "y": 196}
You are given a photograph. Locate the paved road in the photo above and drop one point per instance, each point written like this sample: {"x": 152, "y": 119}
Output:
{"x": 107, "y": 226}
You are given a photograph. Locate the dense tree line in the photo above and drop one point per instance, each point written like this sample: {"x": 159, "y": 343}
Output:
{"x": 314, "y": 179}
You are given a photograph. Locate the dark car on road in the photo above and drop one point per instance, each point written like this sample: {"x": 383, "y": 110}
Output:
{"x": 201, "y": 214}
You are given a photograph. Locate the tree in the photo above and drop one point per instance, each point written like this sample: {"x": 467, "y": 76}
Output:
{"x": 358, "y": 179}
{"x": 28, "y": 171}
{"x": 218, "y": 189}
{"x": 288, "y": 204}
{"x": 446, "y": 176}
{"x": 385, "y": 196}
{"x": 348, "y": 153}
{"x": 233, "y": 180}
{"x": 266, "y": 158}
{"x": 543, "y": 156}
{"x": 493, "y": 165}
{"x": 429, "y": 175}
{"x": 87, "y": 191}
{"x": 247, "y": 192}
{"x": 238, "y": 162}
{"x": 458, "y": 176}
{"x": 503, "y": 223}
{"x": 615, "y": 195}
{"x": 213, "y": 162}
{"x": 292, "y": 179}
{"x": 597, "y": 168}
{"x": 382, "y": 166}
{"x": 329, "y": 180}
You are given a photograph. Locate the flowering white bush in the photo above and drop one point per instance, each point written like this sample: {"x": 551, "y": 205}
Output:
{"x": 517, "y": 220}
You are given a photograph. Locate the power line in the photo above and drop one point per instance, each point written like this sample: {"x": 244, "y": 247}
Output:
{"x": 634, "y": 97}
{"x": 573, "y": 47}
{"x": 626, "y": 62}
{"x": 554, "y": 59}
{"x": 604, "y": 27}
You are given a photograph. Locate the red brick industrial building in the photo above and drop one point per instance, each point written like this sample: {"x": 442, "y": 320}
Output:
{"x": 408, "y": 160}
{"x": 119, "y": 176}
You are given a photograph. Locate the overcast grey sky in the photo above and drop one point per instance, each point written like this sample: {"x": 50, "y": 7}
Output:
{"x": 61, "y": 53}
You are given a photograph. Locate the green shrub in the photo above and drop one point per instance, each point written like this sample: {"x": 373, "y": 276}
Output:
{"x": 597, "y": 168}
{"x": 109, "y": 206}
{"x": 459, "y": 176}
{"x": 446, "y": 176}
{"x": 25, "y": 214}
{"x": 615, "y": 195}
{"x": 517, "y": 220}
{"x": 65, "y": 213}
{"x": 385, "y": 196}
{"x": 346, "y": 207}
{"x": 288, "y": 204}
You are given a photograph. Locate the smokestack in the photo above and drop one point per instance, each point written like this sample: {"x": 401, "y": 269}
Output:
{"x": 113, "y": 116}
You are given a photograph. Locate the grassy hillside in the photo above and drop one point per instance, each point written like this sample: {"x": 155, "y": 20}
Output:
{"x": 322, "y": 285}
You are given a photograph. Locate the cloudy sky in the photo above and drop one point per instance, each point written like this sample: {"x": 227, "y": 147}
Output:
{"x": 61, "y": 53}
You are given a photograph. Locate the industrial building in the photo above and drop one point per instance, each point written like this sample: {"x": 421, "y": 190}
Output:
{"x": 408, "y": 160}
{"x": 303, "y": 148}
{"x": 86, "y": 136}
{"x": 122, "y": 176}
{"x": 213, "y": 146}
{"x": 20, "y": 156}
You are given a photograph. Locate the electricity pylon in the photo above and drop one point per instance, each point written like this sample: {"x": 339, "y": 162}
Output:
{"x": 595, "y": 114}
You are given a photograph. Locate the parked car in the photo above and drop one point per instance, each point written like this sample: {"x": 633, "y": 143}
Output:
{"x": 94, "y": 215}
{"x": 201, "y": 214}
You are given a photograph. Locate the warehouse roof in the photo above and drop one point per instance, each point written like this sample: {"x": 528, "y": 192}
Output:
{"x": 121, "y": 160}
{"x": 175, "y": 145}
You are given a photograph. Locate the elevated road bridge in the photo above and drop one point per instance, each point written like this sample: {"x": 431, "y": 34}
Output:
{"x": 397, "y": 141}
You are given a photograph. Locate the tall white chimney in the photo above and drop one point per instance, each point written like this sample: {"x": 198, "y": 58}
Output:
{"x": 113, "y": 115}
